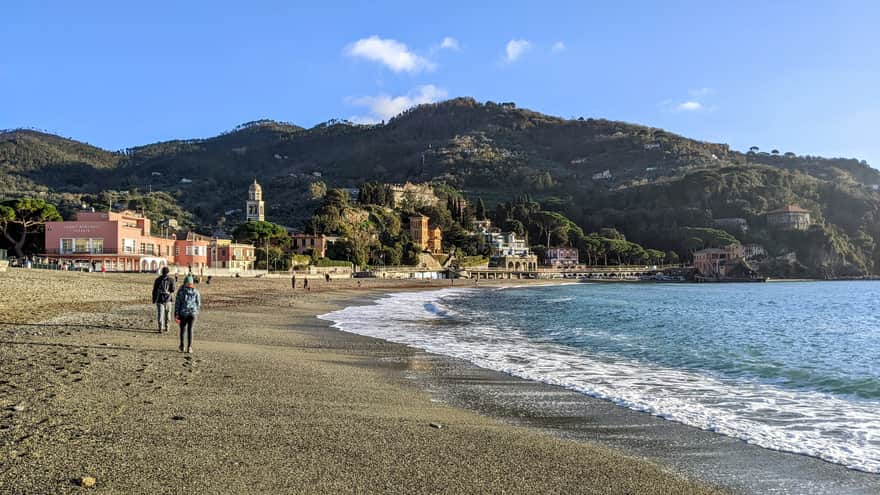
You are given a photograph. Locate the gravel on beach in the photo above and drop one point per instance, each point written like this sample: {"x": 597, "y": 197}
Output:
{"x": 272, "y": 401}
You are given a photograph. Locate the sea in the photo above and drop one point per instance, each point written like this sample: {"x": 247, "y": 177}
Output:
{"x": 789, "y": 366}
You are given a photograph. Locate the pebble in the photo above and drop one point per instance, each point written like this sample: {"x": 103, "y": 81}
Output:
{"x": 435, "y": 425}
{"x": 18, "y": 408}
{"x": 87, "y": 482}
{"x": 177, "y": 418}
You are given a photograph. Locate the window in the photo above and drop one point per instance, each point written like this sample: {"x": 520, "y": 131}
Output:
{"x": 81, "y": 245}
{"x": 97, "y": 246}
{"x": 128, "y": 245}
{"x": 66, "y": 246}
{"x": 238, "y": 252}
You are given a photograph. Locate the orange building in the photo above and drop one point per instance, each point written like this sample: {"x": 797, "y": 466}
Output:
{"x": 227, "y": 254}
{"x": 191, "y": 252}
{"x": 425, "y": 238}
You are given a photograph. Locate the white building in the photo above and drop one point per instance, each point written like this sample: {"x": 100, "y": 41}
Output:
{"x": 256, "y": 208}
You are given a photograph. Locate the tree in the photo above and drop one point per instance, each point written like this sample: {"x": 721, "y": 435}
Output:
{"x": 754, "y": 149}
{"x": 551, "y": 223}
{"x": 481, "y": 209}
{"x": 317, "y": 190}
{"x": 774, "y": 152}
{"x": 260, "y": 233}
{"x": 21, "y": 217}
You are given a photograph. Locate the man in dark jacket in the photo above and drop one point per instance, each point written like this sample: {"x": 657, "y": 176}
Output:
{"x": 163, "y": 296}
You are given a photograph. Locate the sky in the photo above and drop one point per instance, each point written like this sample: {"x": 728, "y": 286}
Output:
{"x": 801, "y": 76}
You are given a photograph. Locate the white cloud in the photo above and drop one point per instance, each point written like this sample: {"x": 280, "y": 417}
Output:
{"x": 558, "y": 47}
{"x": 383, "y": 107}
{"x": 515, "y": 49}
{"x": 391, "y": 53}
{"x": 690, "y": 106}
{"x": 449, "y": 43}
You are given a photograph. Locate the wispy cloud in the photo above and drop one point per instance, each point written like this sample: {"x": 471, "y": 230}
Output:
{"x": 558, "y": 47}
{"x": 449, "y": 43}
{"x": 383, "y": 107}
{"x": 697, "y": 102}
{"x": 391, "y": 53}
{"x": 515, "y": 49}
{"x": 690, "y": 106}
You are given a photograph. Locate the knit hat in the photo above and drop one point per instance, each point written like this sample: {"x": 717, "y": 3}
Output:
{"x": 188, "y": 280}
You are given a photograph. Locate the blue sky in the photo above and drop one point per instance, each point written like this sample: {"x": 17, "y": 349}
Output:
{"x": 796, "y": 76}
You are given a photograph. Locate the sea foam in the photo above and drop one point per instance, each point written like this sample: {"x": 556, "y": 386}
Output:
{"x": 832, "y": 428}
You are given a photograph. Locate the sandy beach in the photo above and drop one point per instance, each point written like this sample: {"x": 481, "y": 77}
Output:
{"x": 272, "y": 401}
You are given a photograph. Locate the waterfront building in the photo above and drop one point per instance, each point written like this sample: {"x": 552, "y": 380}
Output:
{"x": 231, "y": 255}
{"x": 519, "y": 263}
{"x": 562, "y": 257}
{"x": 191, "y": 252}
{"x": 122, "y": 241}
{"x": 424, "y": 237}
{"x": 718, "y": 262}
{"x": 791, "y": 217}
{"x": 255, "y": 208}
{"x": 118, "y": 241}
{"x": 506, "y": 244}
{"x": 311, "y": 243}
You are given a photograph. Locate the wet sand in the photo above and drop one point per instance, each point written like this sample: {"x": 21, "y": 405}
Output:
{"x": 272, "y": 401}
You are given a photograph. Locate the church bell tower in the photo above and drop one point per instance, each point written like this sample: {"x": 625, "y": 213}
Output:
{"x": 256, "y": 209}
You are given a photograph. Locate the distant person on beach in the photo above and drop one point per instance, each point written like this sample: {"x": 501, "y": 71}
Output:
{"x": 306, "y": 285}
{"x": 293, "y": 281}
{"x": 327, "y": 277}
{"x": 163, "y": 296}
{"x": 186, "y": 309}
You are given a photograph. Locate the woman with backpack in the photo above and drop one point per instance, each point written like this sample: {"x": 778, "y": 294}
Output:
{"x": 186, "y": 309}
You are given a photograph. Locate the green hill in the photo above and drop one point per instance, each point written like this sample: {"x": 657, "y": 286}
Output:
{"x": 656, "y": 181}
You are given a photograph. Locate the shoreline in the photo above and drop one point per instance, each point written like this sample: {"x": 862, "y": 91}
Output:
{"x": 699, "y": 454}
{"x": 271, "y": 401}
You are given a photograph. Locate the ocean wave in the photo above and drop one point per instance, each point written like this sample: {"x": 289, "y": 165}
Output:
{"x": 837, "y": 430}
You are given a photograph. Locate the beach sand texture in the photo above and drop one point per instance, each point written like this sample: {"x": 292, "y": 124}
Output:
{"x": 272, "y": 401}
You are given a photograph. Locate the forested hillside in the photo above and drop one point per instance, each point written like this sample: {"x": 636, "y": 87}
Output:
{"x": 644, "y": 181}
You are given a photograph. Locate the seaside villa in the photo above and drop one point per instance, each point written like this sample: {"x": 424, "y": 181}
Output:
{"x": 122, "y": 241}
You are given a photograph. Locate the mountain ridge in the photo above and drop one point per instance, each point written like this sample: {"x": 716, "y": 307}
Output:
{"x": 598, "y": 172}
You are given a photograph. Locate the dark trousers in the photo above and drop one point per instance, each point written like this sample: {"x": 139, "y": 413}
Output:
{"x": 186, "y": 325}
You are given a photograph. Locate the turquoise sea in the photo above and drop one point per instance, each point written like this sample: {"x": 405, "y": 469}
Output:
{"x": 792, "y": 366}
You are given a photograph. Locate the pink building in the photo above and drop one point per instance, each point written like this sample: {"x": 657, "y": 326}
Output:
{"x": 117, "y": 241}
{"x": 191, "y": 252}
{"x": 718, "y": 262}
{"x": 562, "y": 257}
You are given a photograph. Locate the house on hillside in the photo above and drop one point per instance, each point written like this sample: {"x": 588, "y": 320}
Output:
{"x": 791, "y": 217}
{"x": 603, "y": 175}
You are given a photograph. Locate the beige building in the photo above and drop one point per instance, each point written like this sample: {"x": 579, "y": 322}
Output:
{"x": 419, "y": 194}
{"x": 311, "y": 243}
{"x": 791, "y": 217}
{"x": 255, "y": 208}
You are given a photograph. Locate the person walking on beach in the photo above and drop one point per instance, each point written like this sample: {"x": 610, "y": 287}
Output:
{"x": 163, "y": 296}
{"x": 186, "y": 309}
{"x": 293, "y": 281}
